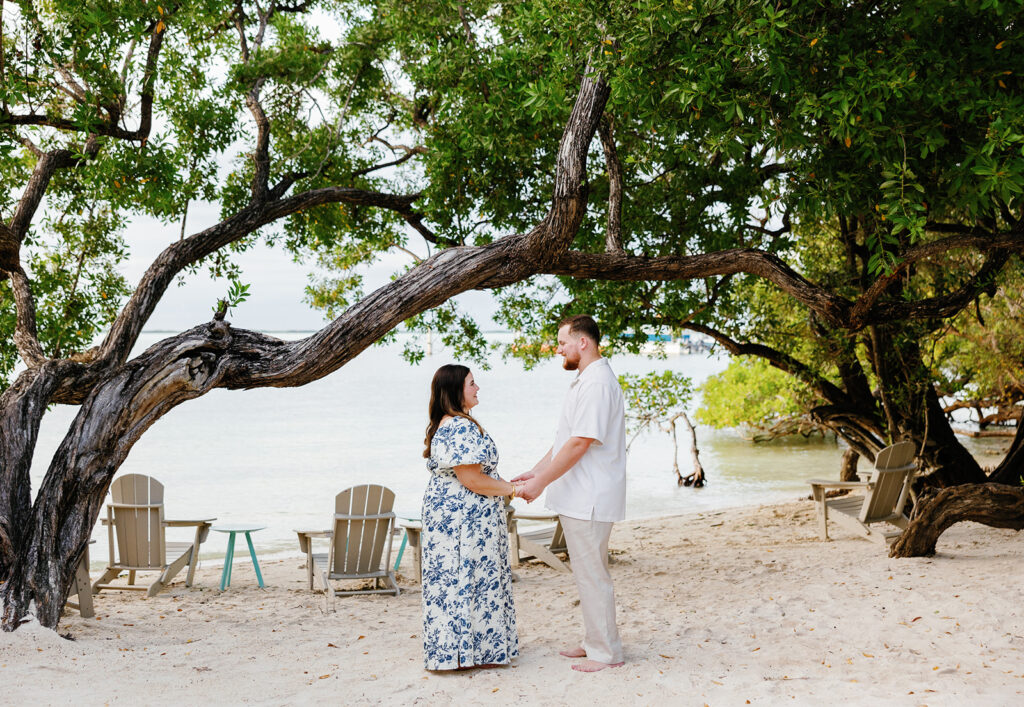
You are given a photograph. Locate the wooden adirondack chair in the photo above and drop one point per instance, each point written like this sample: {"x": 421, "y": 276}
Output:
{"x": 136, "y": 531}
{"x": 363, "y": 524}
{"x": 542, "y": 543}
{"x": 885, "y": 495}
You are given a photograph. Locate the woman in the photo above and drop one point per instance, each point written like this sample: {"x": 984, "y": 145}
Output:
{"x": 468, "y": 615}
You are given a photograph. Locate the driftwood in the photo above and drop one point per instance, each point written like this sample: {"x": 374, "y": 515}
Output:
{"x": 696, "y": 479}
{"x": 803, "y": 425}
{"x": 997, "y": 505}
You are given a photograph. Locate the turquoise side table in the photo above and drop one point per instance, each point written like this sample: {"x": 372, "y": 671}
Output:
{"x": 232, "y": 530}
{"x": 412, "y": 528}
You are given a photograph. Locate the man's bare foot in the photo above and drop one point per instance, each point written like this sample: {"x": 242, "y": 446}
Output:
{"x": 592, "y": 666}
{"x": 574, "y": 653}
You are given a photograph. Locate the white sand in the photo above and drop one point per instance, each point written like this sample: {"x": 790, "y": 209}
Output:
{"x": 714, "y": 608}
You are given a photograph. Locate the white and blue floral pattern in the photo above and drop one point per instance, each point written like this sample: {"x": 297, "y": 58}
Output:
{"x": 469, "y": 617}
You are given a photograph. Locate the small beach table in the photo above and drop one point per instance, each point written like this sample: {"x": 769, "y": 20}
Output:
{"x": 232, "y": 530}
{"x": 413, "y": 527}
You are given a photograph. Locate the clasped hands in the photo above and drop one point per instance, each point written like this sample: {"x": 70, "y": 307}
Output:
{"x": 528, "y": 487}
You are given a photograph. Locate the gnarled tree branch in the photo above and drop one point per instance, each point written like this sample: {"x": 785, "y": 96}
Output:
{"x": 508, "y": 259}
{"x": 619, "y": 266}
{"x": 784, "y": 362}
{"x": 836, "y": 310}
{"x": 26, "y": 338}
{"x": 613, "y": 235}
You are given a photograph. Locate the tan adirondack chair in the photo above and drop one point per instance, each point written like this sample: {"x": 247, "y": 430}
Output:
{"x": 542, "y": 543}
{"x": 874, "y": 513}
{"x": 136, "y": 530}
{"x": 364, "y": 524}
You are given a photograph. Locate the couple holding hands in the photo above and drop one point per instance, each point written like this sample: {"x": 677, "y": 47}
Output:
{"x": 468, "y": 609}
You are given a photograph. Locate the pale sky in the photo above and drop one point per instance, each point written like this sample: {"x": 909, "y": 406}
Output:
{"x": 276, "y": 283}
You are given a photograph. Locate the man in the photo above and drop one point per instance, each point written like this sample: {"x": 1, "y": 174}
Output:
{"x": 585, "y": 476}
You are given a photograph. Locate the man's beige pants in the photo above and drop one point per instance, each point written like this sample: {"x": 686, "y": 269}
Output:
{"x": 588, "y": 553}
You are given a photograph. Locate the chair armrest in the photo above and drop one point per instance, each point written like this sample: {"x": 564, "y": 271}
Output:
{"x": 839, "y": 484}
{"x": 536, "y": 516}
{"x": 202, "y": 526}
{"x": 306, "y": 538}
{"x": 412, "y": 524}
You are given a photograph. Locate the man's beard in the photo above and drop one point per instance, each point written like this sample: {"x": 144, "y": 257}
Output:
{"x": 569, "y": 364}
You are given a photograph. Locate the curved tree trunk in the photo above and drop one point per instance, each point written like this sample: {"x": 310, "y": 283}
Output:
{"x": 114, "y": 416}
{"x": 21, "y": 410}
{"x": 950, "y": 461}
{"x": 997, "y": 505}
{"x": 119, "y": 400}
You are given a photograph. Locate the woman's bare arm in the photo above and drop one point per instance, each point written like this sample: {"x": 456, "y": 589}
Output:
{"x": 473, "y": 477}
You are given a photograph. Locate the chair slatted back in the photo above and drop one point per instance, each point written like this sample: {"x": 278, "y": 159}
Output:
{"x": 137, "y": 504}
{"x": 363, "y": 522}
{"x": 890, "y": 483}
{"x": 894, "y": 456}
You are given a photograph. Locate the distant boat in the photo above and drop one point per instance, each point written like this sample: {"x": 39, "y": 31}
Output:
{"x": 688, "y": 343}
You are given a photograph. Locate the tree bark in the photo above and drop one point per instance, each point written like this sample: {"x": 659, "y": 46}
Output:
{"x": 943, "y": 452}
{"x": 21, "y": 410}
{"x": 613, "y": 235}
{"x": 848, "y": 467}
{"x": 998, "y": 505}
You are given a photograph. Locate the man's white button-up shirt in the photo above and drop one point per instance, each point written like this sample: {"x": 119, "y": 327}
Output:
{"x": 595, "y": 488}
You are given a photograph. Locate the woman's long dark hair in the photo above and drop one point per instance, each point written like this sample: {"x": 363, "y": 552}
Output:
{"x": 446, "y": 399}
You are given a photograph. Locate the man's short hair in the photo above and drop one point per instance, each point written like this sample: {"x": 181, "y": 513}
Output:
{"x": 582, "y": 324}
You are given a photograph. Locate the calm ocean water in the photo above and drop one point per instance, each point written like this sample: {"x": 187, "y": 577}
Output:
{"x": 277, "y": 457}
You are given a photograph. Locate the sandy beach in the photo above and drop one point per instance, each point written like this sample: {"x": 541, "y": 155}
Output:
{"x": 721, "y": 608}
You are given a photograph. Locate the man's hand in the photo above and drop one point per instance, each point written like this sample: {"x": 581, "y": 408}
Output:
{"x": 530, "y": 489}
{"x": 524, "y": 477}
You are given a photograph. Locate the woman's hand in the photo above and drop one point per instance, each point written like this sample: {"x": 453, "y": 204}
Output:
{"x": 530, "y": 489}
{"x": 473, "y": 478}
{"x": 524, "y": 477}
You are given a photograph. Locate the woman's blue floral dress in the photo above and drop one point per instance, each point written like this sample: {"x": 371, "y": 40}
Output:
{"x": 468, "y": 614}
